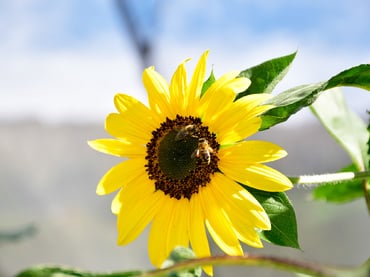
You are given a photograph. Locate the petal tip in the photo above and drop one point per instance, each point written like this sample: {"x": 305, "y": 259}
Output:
{"x": 100, "y": 190}
{"x": 90, "y": 143}
{"x": 94, "y": 144}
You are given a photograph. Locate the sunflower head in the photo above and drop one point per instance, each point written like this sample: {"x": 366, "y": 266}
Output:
{"x": 185, "y": 156}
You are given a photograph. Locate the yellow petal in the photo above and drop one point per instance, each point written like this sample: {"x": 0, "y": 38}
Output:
{"x": 118, "y": 148}
{"x": 120, "y": 175}
{"x": 245, "y": 223}
{"x": 197, "y": 232}
{"x": 139, "y": 203}
{"x": 241, "y": 119}
{"x": 221, "y": 95}
{"x": 256, "y": 175}
{"x": 240, "y": 131}
{"x": 137, "y": 111}
{"x": 241, "y": 207}
{"x": 127, "y": 129}
{"x": 245, "y": 233}
{"x": 217, "y": 222}
{"x": 196, "y": 84}
{"x": 176, "y": 229}
{"x": 248, "y": 107}
{"x": 180, "y": 227}
{"x": 252, "y": 151}
{"x": 230, "y": 188}
{"x": 158, "y": 92}
{"x": 178, "y": 89}
{"x": 253, "y": 100}
{"x": 161, "y": 240}
{"x": 116, "y": 203}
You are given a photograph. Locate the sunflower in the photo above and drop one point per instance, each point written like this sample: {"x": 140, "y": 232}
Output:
{"x": 185, "y": 156}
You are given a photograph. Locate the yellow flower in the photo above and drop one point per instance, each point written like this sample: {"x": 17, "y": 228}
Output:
{"x": 184, "y": 156}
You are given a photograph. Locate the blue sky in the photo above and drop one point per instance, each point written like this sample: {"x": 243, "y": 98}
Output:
{"x": 64, "y": 60}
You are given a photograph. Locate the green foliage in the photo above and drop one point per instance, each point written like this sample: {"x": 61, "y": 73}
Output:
{"x": 211, "y": 79}
{"x": 181, "y": 254}
{"x": 341, "y": 192}
{"x": 282, "y": 216}
{"x": 15, "y": 235}
{"x": 289, "y": 102}
{"x": 344, "y": 126}
{"x": 352, "y": 134}
{"x": 267, "y": 75}
{"x": 357, "y": 76}
{"x": 292, "y": 100}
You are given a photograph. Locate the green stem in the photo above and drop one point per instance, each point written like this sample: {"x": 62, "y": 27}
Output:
{"x": 333, "y": 178}
{"x": 330, "y": 178}
{"x": 366, "y": 188}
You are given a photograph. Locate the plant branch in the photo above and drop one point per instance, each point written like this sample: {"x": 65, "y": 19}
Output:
{"x": 366, "y": 188}
{"x": 332, "y": 178}
{"x": 316, "y": 270}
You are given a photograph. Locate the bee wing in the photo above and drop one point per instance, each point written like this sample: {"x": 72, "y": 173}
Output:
{"x": 195, "y": 154}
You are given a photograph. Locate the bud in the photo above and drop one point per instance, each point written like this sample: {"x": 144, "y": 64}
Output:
{"x": 180, "y": 254}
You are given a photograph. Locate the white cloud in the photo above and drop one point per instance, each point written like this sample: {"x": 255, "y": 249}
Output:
{"x": 79, "y": 83}
{"x": 67, "y": 85}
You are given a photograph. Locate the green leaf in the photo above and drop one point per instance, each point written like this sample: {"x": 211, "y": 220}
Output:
{"x": 15, "y": 235}
{"x": 344, "y": 126}
{"x": 211, "y": 79}
{"x": 341, "y": 192}
{"x": 289, "y": 102}
{"x": 265, "y": 76}
{"x": 282, "y": 216}
{"x": 357, "y": 76}
{"x": 294, "y": 99}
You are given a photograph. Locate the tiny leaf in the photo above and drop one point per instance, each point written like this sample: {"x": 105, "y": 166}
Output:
{"x": 181, "y": 254}
{"x": 15, "y": 235}
{"x": 211, "y": 79}
{"x": 265, "y": 76}
{"x": 282, "y": 216}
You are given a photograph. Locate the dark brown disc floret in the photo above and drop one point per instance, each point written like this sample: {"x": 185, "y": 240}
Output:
{"x": 181, "y": 156}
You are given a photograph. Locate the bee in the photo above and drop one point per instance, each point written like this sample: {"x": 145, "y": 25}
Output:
{"x": 203, "y": 152}
{"x": 187, "y": 131}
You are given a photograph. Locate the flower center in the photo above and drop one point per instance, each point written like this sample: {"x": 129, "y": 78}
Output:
{"x": 181, "y": 156}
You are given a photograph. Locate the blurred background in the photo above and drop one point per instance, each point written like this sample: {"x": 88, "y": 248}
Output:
{"x": 61, "y": 62}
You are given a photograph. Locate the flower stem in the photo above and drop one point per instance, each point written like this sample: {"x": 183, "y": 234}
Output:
{"x": 331, "y": 178}
{"x": 334, "y": 178}
{"x": 366, "y": 188}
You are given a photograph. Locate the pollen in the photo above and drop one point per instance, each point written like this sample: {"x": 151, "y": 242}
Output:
{"x": 175, "y": 160}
